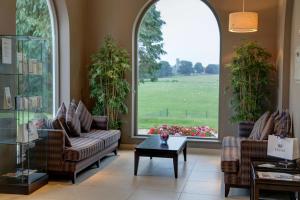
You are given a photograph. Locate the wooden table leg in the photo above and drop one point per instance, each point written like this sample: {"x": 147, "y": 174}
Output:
{"x": 255, "y": 192}
{"x": 136, "y": 162}
{"x": 175, "y": 163}
{"x": 184, "y": 152}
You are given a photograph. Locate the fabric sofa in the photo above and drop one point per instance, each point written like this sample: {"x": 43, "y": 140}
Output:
{"x": 237, "y": 152}
{"x": 82, "y": 151}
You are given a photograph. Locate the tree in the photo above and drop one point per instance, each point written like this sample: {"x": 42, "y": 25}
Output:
{"x": 212, "y": 69}
{"x": 198, "y": 68}
{"x": 33, "y": 19}
{"x": 185, "y": 67}
{"x": 150, "y": 44}
{"x": 165, "y": 69}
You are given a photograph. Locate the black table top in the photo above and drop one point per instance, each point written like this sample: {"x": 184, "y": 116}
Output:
{"x": 154, "y": 143}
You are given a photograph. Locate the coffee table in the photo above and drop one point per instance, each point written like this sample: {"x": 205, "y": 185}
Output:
{"x": 153, "y": 147}
{"x": 275, "y": 184}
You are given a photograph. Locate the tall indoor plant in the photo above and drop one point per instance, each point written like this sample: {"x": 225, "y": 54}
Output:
{"x": 250, "y": 79}
{"x": 108, "y": 86}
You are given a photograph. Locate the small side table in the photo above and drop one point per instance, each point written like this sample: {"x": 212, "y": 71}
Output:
{"x": 258, "y": 183}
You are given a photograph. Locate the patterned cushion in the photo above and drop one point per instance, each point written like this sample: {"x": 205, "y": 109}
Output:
{"x": 83, "y": 148}
{"x": 259, "y": 126}
{"x": 284, "y": 127}
{"x": 269, "y": 128}
{"x": 85, "y": 117}
{"x": 110, "y": 137}
{"x": 72, "y": 120}
{"x": 56, "y": 124}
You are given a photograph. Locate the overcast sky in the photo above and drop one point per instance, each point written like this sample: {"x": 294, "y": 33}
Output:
{"x": 191, "y": 31}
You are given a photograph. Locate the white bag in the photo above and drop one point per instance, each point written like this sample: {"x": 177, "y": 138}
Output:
{"x": 286, "y": 148}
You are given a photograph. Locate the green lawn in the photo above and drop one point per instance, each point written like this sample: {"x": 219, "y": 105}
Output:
{"x": 179, "y": 100}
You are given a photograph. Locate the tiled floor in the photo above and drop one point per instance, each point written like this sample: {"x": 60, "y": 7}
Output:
{"x": 199, "y": 179}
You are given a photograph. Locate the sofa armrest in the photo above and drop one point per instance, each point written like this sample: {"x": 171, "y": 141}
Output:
{"x": 100, "y": 122}
{"x": 251, "y": 149}
{"x": 56, "y": 148}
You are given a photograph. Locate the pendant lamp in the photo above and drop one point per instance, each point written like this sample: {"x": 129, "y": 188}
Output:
{"x": 243, "y": 22}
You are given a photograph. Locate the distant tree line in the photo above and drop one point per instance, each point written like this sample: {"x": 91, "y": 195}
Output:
{"x": 186, "y": 68}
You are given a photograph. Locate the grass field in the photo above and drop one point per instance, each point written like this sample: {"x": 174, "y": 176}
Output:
{"x": 179, "y": 100}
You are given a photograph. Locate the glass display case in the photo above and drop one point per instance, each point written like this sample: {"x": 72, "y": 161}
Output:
{"x": 23, "y": 109}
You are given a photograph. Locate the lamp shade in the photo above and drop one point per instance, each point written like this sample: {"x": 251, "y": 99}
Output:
{"x": 243, "y": 22}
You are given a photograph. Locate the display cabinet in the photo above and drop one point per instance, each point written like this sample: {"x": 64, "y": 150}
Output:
{"x": 23, "y": 109}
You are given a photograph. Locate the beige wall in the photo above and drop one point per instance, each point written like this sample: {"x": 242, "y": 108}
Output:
{"x": 7, "y": 27}
{"x": 295, "y": 86}
{"x": 7, "y": 17}
{"x": 117, "y": 17}
{"x": 283, "y": 47}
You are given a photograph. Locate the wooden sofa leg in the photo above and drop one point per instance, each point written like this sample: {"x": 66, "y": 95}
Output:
{"x": 116, "y": 152}
{"x": 227, "y": 189}
{"x": 98, "y": 164}
{"x": 73, "y": 178}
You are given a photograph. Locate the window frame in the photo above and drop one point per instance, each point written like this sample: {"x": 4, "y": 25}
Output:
{"x": 135, "y": 71}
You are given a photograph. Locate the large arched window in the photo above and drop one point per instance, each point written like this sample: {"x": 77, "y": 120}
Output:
{"x": 37, "y": 18}
{"x": 177, "y": 66}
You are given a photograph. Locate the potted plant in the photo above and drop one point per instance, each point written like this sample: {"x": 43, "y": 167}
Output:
{"x": 250, "y": 81}
{"x": 107, "y": 81}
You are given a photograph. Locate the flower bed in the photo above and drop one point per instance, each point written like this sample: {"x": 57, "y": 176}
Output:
{"x": 198, "y": 131}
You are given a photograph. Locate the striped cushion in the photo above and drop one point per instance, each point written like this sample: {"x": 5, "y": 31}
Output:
{"x": 83, "y": 148}
{"x": 85, "y": 117}
{"x": 284, "y": 126}
{"x": 72, "y": 120}
{"x": 269, "y": 128}
{"x": 110, "y": 137}
{"x": 61, "y": 116}
{"x": 259, "y": 126}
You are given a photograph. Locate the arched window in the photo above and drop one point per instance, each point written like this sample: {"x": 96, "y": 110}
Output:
{"x": 37, "y": 18}
{"x": 177, "y": 66}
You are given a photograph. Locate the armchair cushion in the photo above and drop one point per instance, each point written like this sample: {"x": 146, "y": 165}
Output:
{"x": 85, "y": 117}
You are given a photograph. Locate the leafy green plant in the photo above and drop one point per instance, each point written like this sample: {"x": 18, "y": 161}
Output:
{"x": 250, "y": 79}
{"x": 108, "y": 86}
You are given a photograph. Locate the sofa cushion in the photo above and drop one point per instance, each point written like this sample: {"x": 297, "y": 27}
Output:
{"x": 83, "y": 148}
{"x": 85, "y": 117}
{"x": 110, "y": 137}
{"x": 259, "y": 126}
{"x": 230, "y": 159}
{"x": 73, "y": 121}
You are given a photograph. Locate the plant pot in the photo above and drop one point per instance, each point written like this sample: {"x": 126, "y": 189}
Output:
{"x": 245, "y": 128}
